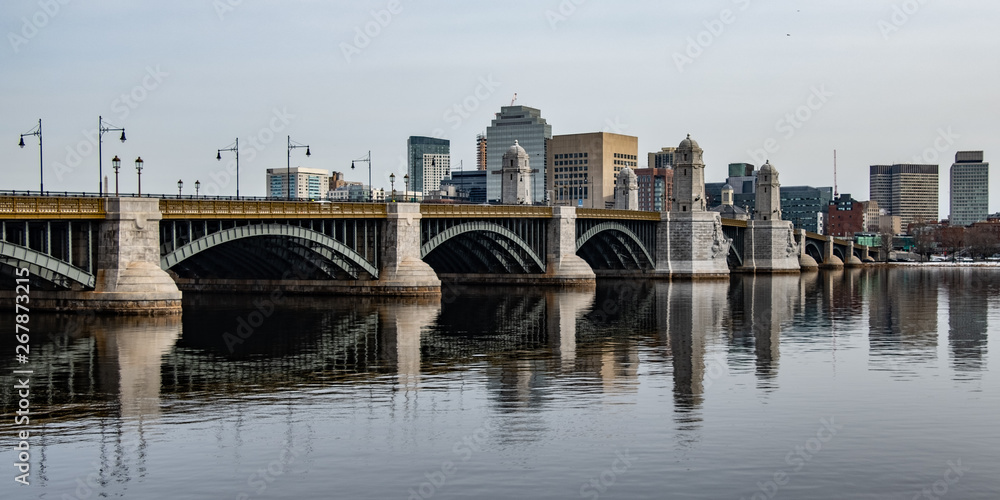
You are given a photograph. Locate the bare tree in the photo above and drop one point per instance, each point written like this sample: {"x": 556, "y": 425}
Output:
{"x": 885, "y": 244}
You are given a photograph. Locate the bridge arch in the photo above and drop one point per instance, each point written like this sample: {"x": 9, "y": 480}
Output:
{"x": 495, "y": 244}
{"x": 45, "y": 266}
{"x": 620, "y": 240}
{"x": 338, "y": 253}
{"x": 814, "y": 251}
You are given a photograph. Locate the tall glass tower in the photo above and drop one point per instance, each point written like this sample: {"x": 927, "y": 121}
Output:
{"x": 970, "y": 193}
{"x": 526, "y": 126}
{"x": 429, "y": 162}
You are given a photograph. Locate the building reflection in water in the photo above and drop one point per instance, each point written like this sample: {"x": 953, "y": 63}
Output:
{"x": 760, "y": 304}
{"x": 903, "y": 318}
{"x": 402, "y": 323}
{"x": 968, "y": 310}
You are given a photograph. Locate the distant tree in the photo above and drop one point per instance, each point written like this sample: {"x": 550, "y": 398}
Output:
{"x": 982, "y": 241}
{"x": 952, "y": 239}
{"x": 885, "y": 244}
{"x": 924, "y": 237}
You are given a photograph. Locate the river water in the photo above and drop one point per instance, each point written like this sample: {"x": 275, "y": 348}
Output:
{"x": 874, "y": 383}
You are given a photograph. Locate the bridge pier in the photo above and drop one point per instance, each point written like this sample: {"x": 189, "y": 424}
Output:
{"x": 402, "y": 271}
{"x": 830, "y": 260}
{"x": 806, "y": 261}
{"x": 562, "y": 265}
{"x": 691, "y": 245}
{"x": 129, "y": 279}
{"x": 769, "y": 247}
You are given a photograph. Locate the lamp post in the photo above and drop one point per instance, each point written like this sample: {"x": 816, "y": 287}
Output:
{"x": 236, "y": 149}
{"x": 392, "y": 181}
{"x": 180, "y": 186}
{"x": 36, "y": 131}
{"x": 406, "y": 178}
{"x": 103, "y": 127}
{"x": 138, "y": 170}
{"x": 197, "y": 187}
{"x": 367, "y": 159}
{"x": 288, "y": 172}
{"x": 116, "y": 163}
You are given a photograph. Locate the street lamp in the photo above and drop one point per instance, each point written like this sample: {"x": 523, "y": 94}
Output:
{"x": 406, "y": 178}
{"x": 103, "y": 127}
{"x": 180, "y": 185}
{"x": 392, "y": 181}
{"x": 288, "y": 172}
{"x": 367, "y": 159}
{"x": 236, "y": 149}
{"x": 36, "y": 131}
{"x": 197, "y": 187}
{"x": 138, "y": 169}
{"x": 116, "y": 163}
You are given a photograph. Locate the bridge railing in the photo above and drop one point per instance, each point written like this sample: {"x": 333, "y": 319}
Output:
{"x": 241, "y": 209}
{"x": 432, "y": 211}
{"x": 44, "y": 207}
{"x": 599, "y": 213}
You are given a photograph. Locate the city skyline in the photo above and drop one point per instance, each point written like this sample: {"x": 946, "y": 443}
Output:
{"x": 732, "y": 74}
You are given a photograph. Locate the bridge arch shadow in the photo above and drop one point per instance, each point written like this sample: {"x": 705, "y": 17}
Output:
{"x": 814, "y": 251}
{"x": 267, "y": 251}
{"x": 484, "y": 247}
{"x": 611, "y": 245}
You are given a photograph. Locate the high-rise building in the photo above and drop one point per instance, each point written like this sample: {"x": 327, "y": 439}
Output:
{"x": 582, "y": 167}
{"x": 655, "y": 188}
{"x": 481, "y": 152}
{"x": 664, "y": 158}
{"x": 846, "y": 216}
{"x": 906, "y": 190}
{"x": 429, "y": 162}
{"x": 525, "y": 125}
{"x": 804, "y": 206}
{"x": 970, "y": 194}
{"x": 306, "y": 183}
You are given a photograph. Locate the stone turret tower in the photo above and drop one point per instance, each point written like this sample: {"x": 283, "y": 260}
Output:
{"x": 689, "y": 177}
{"x": 627, "y": 190}
{"x": 727, "y": 195}
{"x": 515, "y": 182}
{"x": 768, "y": 199}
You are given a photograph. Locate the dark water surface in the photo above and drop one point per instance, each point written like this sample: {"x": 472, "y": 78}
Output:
{"x": 851, "y": 384}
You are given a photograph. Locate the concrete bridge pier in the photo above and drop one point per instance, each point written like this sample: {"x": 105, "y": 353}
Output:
{"x": 402, "y": 271}
{"x": 806, "y": 261}
{"x": 691, "y": 245}
{"x": 129, "y": 279}
{"x": 562, "y": 265}
{"x": 830, "y": 260}
{"x": 853, "y": 260}
{"x": 770, "y": 247}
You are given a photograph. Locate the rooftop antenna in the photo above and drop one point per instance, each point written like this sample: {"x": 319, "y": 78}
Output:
{"x": 513, "y": 99}
{"x": 835, "y": 194}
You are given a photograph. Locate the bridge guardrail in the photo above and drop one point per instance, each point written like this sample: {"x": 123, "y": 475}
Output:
{"x": 433, "y": 211}
{"x": 46, "y": 207}
{"x": 598, "y": 213}
{"x": 239, "y": 209}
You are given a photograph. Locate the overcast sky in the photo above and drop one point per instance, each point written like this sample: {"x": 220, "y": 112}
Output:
{"x": 879, "y": 81}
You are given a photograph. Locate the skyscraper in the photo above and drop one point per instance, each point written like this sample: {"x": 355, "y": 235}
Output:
{"x": 970, "y": 194}
{"x": 664, "y": 158}
{"x": 583, "y": 167}
{"x": 908, "y": 191}
{"x": 429, "y": 163}
{"x": 525, "y": 125}
{"x": 481, "y": 152}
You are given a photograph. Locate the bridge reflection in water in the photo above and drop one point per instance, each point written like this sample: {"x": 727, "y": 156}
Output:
{"x": 531, "y": 348}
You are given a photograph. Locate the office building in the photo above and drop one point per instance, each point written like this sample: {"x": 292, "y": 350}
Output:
{"x": 429, "y": 163}
{"x": 468, "y": 187}
{"x": 481, "y": 152}
{"x": 655, "y": 188}
{"x": 306, "y": 183}
{"x": 664, "y": 158}
{"x": 805, "y": 206}
{"x": 526, "y": 126}
{"x": 970, "y": 193}
{"x": 909, "y": 191}
{"x": 583, "y": 167}
{"x": 845, "y": 217}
